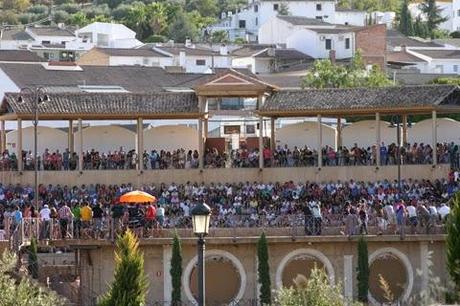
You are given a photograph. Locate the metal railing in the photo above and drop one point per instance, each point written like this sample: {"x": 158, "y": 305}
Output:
{"x": 295, "y": 225}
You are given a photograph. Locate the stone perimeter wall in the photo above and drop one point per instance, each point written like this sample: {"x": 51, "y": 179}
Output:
{"x": 227, "y": 175}
{"x": 340, "y": 254}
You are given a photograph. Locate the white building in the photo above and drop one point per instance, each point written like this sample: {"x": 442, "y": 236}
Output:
{"x": 387, "y": 18}
{"x": 194, "y": 59}
{"x": 312, "y": 37}
{"x": 246, "y": 22}
{"x": 449, "y": 10}
{"x": 440, "y": 61}
{"x": 108, "y": 35}
{"x": 262, "y": 59}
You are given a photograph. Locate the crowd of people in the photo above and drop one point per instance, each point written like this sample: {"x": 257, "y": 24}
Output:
{"x": 282, "y": 156}
{"x": 94, "y": 210}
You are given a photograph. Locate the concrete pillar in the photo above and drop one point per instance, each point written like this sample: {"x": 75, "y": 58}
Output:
{"x": 320, "y": 142}
{"x": 80, "y": 149}
{"x": 19, "y": 145}
{"x": 424, "y": 254}
{"x": 205, "y": 130}
{"x": 140, "y": 143}
{"x": 434, "y": 134}
{"x": 272, "y": 134}
{"x": 70, "y": 137}
{"x": 404, "y": 130}
{"x": 2, "y": 136}
{"x": 261, "y": 143}
{"x": 167, "y": 283}
{"x": 338, "y": 134}
{"x": 377, "y": 139}
{"x": 348, "y": 276}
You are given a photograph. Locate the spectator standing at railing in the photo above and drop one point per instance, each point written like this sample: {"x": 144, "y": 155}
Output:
{"x": 444, "y": 211}
{"x": 76, "y": 219}
{"x": 412, "y": 215}
{"x": 65, "y": 217}
{"x": 17, "y": 217}
{"x": 45, "y": 217}
{"x": 98, "y": 214}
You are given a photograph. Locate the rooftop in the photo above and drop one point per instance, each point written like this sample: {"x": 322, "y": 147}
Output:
{"x": 402, "y": 57}
{"x": 50, "y": 31}
{"x": 361, "y": 100}
{"x": 440, "y": 54}
{"x": 19, "y": 56}
{"x": 397, "y": 39}
{"x": 105, "y": 105}
{"x": 284, "y": 54}
{"x": 131, "y": 52}
{"x": 303, "y": 21}
{"x": 15, "y": 34}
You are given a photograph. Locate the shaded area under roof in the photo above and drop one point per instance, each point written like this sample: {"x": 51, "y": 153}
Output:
{"x": 62, "y": 106}
{"x": 354, "y": 101}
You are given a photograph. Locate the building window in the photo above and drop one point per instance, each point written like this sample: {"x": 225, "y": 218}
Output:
{"x": 328, "y": 44}
{"x": 200, "y": 62}
{"x": 455, "y": 68}
{"x": 46, "y": 55}
{"x": 275, "y": 6}
{"x": 439, "y": 69}
{"x": 242, "y": 24}
{"x": 319, "y": 17}
{"x": 145, "y": 61}
{"x": 256, "y": 8}
{"x": 257, "y": 21}
{"x": 46, "y": 42}
{"x": 347, "y": 43}
{"x": 458, "y": 13}
{"x": 319, "y": 7}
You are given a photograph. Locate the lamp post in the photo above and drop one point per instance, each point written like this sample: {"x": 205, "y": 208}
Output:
{"x": 201, "y": 214}
{"x": 38, "y": 96}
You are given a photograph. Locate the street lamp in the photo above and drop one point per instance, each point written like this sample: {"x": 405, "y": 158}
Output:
{"x": 38, "y": 96}
{"x": 201, "y": 214}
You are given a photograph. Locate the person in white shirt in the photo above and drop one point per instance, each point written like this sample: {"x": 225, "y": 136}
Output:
{"x": 444, "y": 211}
{"x": 45, "y": 217}
{"x": 412, "y": 214}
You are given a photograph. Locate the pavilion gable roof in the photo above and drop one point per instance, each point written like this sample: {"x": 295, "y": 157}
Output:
{"x": 103, "y": 105}
{"x": 350, "y": 101}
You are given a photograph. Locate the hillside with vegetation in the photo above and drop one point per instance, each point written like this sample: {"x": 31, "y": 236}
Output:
{"x": 156, "y": 21}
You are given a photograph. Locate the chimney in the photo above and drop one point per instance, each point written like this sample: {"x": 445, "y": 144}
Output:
{"x": 404, "y": 48}
{"x": 223, "y": 49}
{"x": 182, "y": 59}
{"x": 61, "y": 25}
{"x": 332, "y": 56}
{"x": 229, "y": 14}
{"x": 271, "y": 52}
{"x": 223, "y": 15}
{"x": 188, "y": 43}
{"x": 170, "y": 43}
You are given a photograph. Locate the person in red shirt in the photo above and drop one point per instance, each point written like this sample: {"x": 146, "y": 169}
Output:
{"x": 150, "y": 214}
{"x": 267, "y": 153}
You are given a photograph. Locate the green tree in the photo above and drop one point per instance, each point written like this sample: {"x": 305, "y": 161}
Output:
{"x": 182, "y": 28}
{"x": 32, "y": 258}
{"x": 453, "y": 243}
{"x": 433, "y": 15}
{"x": 420, "y": 28}
{"x": 157, "y": 17}
{"x": 263, "y": 271}
{"x": 325, "y": 74}
{"x": 316, "y": 290}
{"x": 206, "y": 8}
{"x": 283, "y": 9}
{"x": 78, "y": 19}
{"x": 405, "y": 20}
{"x": 362, "y": 270}
{"x": 130, "y": 284}
{"x": 176, "y": 271}
{"x": 22, "y": 291}
{"x": 219, "y": 37}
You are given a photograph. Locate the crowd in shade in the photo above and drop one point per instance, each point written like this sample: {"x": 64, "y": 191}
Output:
{"x": 282, "y": 156}
{"x": 94, "y": 210}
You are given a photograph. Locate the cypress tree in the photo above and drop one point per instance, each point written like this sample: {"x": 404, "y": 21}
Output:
{"x": 176, "y": 271}
{"x": 32, "y": 258}
{"x": 130, "y": 284}
{"x": 263, "y": 270}
{"x": 405, "y": 20}
{"x": 363, "y": 270}
{"x": 433, "y": 15}
{"x": 453, "y": 243}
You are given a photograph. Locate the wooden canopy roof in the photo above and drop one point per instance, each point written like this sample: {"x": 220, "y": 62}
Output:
{"x": 362, "y": 101}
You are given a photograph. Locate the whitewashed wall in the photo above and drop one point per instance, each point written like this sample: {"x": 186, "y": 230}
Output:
{"x": 48, "y": 138}
{"x": 305, "y": 133}
{"x": 364, "y": 134}
{"x": 170, "y": 137}
{"x": 106, "y": 138}
{"x": 447, "y": 130}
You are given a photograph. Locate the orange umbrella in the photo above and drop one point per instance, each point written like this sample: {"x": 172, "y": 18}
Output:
{"x": 137, "y": 196}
